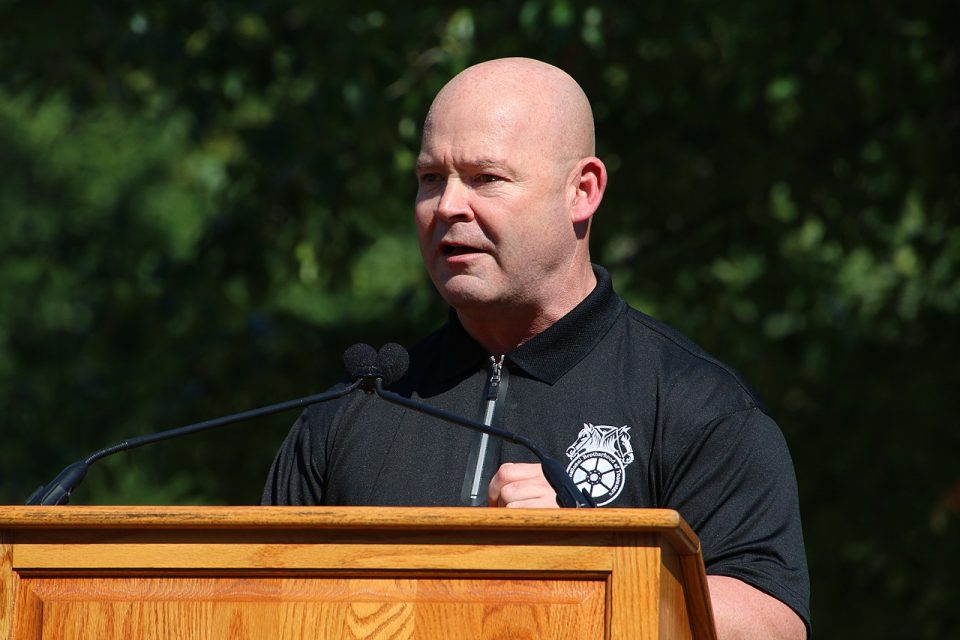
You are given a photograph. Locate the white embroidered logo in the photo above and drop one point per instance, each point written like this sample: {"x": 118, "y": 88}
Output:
{"x": 598, "y": 459}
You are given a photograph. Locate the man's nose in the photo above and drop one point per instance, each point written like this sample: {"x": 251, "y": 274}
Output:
{"x": 454, "y": 202}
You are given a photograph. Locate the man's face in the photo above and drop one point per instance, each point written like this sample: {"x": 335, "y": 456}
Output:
{"x": 490, "y": 209}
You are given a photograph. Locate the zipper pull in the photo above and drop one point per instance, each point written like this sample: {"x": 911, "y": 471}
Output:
{"x": 494, "y": 385}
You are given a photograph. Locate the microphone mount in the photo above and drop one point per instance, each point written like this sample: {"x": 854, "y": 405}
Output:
{"x": 58, "y": 490}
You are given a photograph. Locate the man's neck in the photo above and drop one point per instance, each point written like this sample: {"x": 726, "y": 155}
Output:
{"x": 502, "y": 331}
{"x": 502, "y": 328}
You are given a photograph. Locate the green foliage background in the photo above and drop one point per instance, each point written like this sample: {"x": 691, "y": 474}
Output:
{"x": 203, "y": 203}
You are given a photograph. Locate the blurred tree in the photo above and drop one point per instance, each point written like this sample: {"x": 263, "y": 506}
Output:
{"x": 196, "y": 195}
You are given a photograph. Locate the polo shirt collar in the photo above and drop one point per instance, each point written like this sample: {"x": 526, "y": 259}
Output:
{"x": 551, "y": 353}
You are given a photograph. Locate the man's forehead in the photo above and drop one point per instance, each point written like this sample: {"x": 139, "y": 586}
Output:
{"x": 478, "y": 110}
{"x": 491, "y": 132}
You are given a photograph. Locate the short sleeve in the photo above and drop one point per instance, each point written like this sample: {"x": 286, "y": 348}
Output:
{"x": 296, "y": 475}
{"x": 735, "y": 485}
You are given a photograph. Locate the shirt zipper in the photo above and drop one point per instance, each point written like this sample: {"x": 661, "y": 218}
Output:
{"x": 493, "y": 388}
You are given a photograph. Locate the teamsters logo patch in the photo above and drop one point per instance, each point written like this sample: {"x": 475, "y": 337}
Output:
{"x": 598, "y": 460}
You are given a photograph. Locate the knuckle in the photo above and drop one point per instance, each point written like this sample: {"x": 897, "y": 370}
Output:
{"x": 513, "y": 492}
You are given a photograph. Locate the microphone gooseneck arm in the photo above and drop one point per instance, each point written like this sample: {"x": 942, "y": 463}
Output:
{"x": 58, "y": 490}
{"x": 568, "y": 494}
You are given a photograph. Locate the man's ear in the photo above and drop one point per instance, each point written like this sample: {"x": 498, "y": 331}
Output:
{"x": 589, "y": 182}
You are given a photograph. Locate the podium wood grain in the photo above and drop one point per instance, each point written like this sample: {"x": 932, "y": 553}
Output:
{"x": 349, "y": 572}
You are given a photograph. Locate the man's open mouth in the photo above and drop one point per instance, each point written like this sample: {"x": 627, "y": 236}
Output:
{"x": 457, "y": 250}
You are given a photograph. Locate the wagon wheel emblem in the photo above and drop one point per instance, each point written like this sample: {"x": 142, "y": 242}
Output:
{"x": 598, "y": 473}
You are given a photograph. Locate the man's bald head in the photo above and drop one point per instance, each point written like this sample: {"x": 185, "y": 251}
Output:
{"x": 508, "y": 184}
{"x": 548, "y": 102}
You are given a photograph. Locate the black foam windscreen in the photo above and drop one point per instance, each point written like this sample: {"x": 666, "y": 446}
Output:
{"x": 359, "y": 359}
{"x": 394, "y": 361}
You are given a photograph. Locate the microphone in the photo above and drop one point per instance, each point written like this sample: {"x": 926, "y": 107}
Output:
{"x": 58, "y": 490}
{"x": 392, "y": 362}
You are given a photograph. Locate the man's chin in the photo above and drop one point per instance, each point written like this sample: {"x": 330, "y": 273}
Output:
{"x": 464, "y": 291}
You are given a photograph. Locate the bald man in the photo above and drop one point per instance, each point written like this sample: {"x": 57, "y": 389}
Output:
{"x": 537, "y": 342}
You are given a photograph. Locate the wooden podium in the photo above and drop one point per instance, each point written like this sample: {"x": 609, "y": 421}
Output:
{"x": 132, "y": 573}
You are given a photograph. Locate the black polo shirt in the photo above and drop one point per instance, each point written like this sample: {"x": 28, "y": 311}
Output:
{"x": 639, "y": 414}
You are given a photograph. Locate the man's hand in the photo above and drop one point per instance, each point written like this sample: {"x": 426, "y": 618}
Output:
{"x": 520, "y": 485}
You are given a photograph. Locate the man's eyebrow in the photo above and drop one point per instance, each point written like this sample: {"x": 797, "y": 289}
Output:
{"x": 488, "y": 163}
{"x": 480, "y": 163}
{"x": 425, "y": 163}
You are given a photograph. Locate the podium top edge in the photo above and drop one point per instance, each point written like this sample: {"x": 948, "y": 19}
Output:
{"x": 662, "y": 521}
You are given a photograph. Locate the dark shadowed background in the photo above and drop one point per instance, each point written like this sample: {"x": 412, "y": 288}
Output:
{"x": 203, "y": 203}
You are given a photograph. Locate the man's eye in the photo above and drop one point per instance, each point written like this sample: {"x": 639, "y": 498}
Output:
{"x": 429, "y": 178}
{"x": 485, "y": 178}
